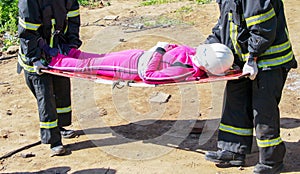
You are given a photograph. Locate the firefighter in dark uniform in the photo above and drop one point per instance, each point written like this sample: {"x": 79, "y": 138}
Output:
{"x": 256, "y": 31}
{"x": 46, "y": 27}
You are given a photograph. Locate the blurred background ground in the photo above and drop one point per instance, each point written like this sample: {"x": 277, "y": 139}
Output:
{"x": 124, "y": 133}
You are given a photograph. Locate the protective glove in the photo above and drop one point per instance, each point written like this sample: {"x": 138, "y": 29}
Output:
{"x": 250, "y": 68}
{"x": 66, "y": 48}
{"x": 38, "y": 66}
{"x": 52, "y": 52}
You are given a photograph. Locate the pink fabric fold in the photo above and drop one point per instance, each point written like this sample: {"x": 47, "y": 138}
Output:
{"x": 173, "y": 66}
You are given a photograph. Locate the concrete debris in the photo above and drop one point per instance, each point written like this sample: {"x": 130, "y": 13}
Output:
{"x": 8, "y": 112}
{"x": 27, "y": 155}
{"x": 160, "y": 97}
{"x": 111, "y": 17}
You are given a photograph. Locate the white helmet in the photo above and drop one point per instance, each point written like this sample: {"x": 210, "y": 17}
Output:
{"x": 216, "y": 58}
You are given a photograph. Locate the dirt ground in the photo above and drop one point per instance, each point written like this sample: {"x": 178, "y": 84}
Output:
{"x": 121, "y": 131}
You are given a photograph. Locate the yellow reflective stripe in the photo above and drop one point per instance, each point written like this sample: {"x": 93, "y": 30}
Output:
{"x": 66, "y": 29}
{"x": 245, "y": 56}
{"x": 269, "y": 143}
{"x": 287, "y": 33}
{"x": 48, "y": 125}
{"x": 51, "y": 41}
{"x": 52, "y": 30}
{"x": 235, "y": 130}
{"x": 21, "y": 56}
{"x": 53, "y": 22}
{"x": 70, "y": 15}
{"x": 272, "y": 50}
{"x": 73, "y": 13}
{"x": 277, "y": 48}
{"x": 260, "y": 18}
{"x": 233, "y": 34}
{"x": 26, "y": 67}
{"x": 276, "y": 61}
{"x": 63, "y": 110}
{"x": 233, "y": 29}
{"x": 28, "y": 25}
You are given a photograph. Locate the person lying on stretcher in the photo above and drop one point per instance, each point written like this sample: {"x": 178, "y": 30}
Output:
{"x": 164, "y": 63}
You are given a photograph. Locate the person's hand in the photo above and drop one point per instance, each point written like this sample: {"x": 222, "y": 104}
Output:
{"x": 38, "y": 66}
{"x": 250, "y": 68}
{"x": 66, "y": 48}
{"x": 163, "y": 45}
{"x": 52, "y": 52}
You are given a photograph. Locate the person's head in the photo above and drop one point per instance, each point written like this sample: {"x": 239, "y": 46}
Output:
{"x": 214, "y": 58}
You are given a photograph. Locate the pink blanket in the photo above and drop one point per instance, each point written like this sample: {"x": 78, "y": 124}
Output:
{"x": 173, "y": 66}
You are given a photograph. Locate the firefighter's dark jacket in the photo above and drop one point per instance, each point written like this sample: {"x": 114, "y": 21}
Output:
{"x": 56, "y": 21}
{"x": 255, "y": 29}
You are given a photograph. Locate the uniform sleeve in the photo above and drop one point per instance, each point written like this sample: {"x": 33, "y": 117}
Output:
{"x": 261, "y": 21}
{"x": 72, "y": 32}
{"x": 215, "y": 36}
{"x": 29, "y": 23}
{"x": 154, "y": 64}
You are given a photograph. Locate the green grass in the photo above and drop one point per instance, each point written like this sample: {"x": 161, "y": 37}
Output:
{"x": 8, "y": 22}
{"x": 8, "y": 16}
{"x": 91, "y": 3}
{"x": 157, "y": 2}
{"x": 203, "y": 1}
{"x": 184, "y": 9}
{"x": 87, "y": 2}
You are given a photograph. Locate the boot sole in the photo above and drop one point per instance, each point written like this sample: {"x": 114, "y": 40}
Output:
{"x": 58, "y": 153}
{"x": 277, "y": 170}
{"x": 68, "y": 136}
{"x": 231, "y": 162}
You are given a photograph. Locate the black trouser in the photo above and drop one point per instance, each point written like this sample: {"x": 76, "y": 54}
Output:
{"x": 62, "y": 93}
{"x": 254, "y": 104}
{"x": 51, "y": 92}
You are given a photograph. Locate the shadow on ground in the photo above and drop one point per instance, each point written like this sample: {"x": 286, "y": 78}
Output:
{"x": 139, "y": 131}
{"x": 65, "y": 170}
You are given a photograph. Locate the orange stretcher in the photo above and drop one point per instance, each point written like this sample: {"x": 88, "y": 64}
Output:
{"x": 231, "y": 75}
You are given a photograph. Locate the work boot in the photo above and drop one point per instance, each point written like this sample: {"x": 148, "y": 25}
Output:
{"x": 268, "y": 169}
{"x": 67, "y": 133}
{"x": 224, "y": 156}
{"x": 57, "y": 149}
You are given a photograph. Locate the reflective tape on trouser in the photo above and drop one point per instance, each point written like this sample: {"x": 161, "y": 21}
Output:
{"x": 235, "y": 130}
{"x": 269, "y": 143}
{"x": 48, "y": 125}
{"x": 63, "y": 110}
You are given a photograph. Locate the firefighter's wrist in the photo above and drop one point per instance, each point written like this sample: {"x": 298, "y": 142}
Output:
{"x": 34, "y": 59}
{"x": 251, "y": 60}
